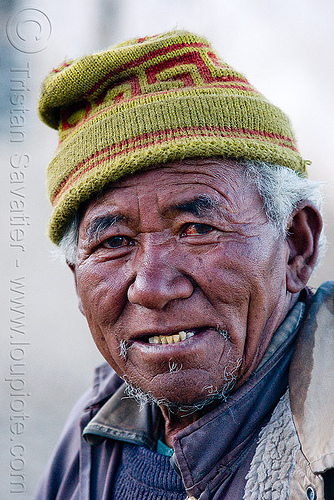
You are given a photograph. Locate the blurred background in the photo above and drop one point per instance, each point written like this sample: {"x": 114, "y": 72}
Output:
{"x": 47, "y": 359}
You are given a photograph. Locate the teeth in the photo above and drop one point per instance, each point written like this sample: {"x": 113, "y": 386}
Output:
{"x": 183, "y": 335}
{"x": 171, "y": 339}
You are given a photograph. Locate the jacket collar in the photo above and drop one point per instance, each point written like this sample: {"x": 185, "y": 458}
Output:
{"x": 311, "y": 381}
{"x": 120, "y": 419}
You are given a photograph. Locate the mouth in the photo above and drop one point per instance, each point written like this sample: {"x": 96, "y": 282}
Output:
{"x": 178, "y": 337}
{"x": 173, "y": 338}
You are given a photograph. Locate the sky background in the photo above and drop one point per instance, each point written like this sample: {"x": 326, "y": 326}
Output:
{"x": 284, "y": 47}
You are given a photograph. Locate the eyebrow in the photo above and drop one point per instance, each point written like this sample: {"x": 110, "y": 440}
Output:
{"x": 198, "y": 206}
{"x": 99, "y": 224}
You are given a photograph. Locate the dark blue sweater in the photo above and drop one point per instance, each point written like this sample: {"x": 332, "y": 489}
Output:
{"x": 146, "y": 475}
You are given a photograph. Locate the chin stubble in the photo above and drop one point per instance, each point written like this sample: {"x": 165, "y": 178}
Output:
{"x": 212, "y": 394}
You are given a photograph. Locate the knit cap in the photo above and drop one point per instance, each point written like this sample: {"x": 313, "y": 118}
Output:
{"x": 147, "y": 102}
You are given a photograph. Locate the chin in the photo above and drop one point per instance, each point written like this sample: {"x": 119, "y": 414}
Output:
{"x": 175, "y": 400}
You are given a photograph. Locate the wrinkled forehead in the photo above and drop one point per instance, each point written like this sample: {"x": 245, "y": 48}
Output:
{"x": 193, "y": 185}
{"x": 214, "y": 169}
{"x": 221, "y": 175}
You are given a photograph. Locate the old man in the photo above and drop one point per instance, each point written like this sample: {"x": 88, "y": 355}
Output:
{"x": 183, "y": 208}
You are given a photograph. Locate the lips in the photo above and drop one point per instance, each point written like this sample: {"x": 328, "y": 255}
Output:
{"x": 174, "y": 338}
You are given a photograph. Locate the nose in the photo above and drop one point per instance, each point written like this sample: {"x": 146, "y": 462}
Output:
{"x": 158, "y": 281}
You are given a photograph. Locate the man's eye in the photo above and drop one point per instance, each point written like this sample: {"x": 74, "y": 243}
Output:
{"x": 196, "y": 229}
{"x": 117, "y": 242}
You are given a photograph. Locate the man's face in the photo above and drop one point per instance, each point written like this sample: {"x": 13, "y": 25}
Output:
{"x": 183, "y": 248}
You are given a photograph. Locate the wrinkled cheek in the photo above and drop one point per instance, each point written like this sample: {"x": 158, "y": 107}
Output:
{"x": 101, "y": 299}
{"x": 230, "y": 362}
{"x": 259, "y": 331}
{"x": 111, "y": 350}
{"x": 101, "y": 316}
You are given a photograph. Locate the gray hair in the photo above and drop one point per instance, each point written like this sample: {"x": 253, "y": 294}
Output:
{"x": 280, "y": 188}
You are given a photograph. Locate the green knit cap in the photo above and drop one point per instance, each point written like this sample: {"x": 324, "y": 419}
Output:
{"x": 146, "y": 102}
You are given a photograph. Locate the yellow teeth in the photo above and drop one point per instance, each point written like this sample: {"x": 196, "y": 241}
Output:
{"x": 171, "y": 339}
{"x": 183, "y": 335}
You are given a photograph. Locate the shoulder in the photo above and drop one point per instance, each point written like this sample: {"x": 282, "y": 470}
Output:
{"x": 62, "y": 472}
{"x": 311, "y": 380}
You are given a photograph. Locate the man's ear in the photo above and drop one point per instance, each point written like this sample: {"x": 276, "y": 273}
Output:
{"x": 72, "y": 267}
{"x": 303, "y": 240}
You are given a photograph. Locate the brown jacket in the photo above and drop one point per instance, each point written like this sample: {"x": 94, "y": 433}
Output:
{"x": 311, "y": 382}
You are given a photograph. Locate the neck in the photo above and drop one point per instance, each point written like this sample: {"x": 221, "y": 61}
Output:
{"x": 178, "y": 419}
